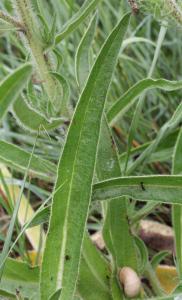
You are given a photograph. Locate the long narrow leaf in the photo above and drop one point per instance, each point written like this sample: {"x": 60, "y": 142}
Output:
{"x": 76, "y": 167}
{"x": 82, "y": 55}
{"x": 129, "y": 97}
{"x": 94, "y": 275}
{"x": 24, "y": 115}
{"x": 177, "y": 209}
{"x": 19, "y": 277}
{"x": 161, "y": 188}
{"x": 18, "y": 158}
{"x": 107, "y": 166}
{"x": 78, "y": 18}
{"x": 12, "y": 86}
{"x": 164, "y": 131}
{"x": 9, "y": 235}
{"x": 116, "y": 230}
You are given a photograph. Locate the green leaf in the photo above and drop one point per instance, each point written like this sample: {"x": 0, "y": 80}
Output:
{"x": 76, "y": 168}
{"x": 65, "y": 91}
{"x": 77, "y": 19}
{"x": 142, "y": 212}
{"x": 6, "y": 27}
{"x": 164, "y": 131}
{"x": 40, "y": 217}
{"x": 157, "y": 258}
{"x": 116, "y": 230}
{"x": 143, "y": 254}
{"x": 82, "y": 70}
{"x": 136, "y": 39}
{"x": 19, "y": 276}
{"x": 141, "y": 101}
{"x": 24, "y": 115}
{"x": 163, "y": 152}
{"x": 94, "y": 275}
{"x": 94, "y": 270}
{"x": 177, "y": 209}
{"x": 159, "y": 188}
{"x": 56, "y": 295}
{"x": 10, "y": 231}
{"x": 7, "y": 296}
{"x": 129, "y": 97}
{"x": 82, "y": 65}
{"x": 12, "y": 86}
{"x": 18, "y": 158}
{"x": 177, "y": 158}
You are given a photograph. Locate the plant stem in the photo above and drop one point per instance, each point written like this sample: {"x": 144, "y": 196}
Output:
{"x": 33, "y": 39}
{"x": 150, "y": 274}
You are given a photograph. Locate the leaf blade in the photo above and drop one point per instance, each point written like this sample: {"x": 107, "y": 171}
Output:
{"x": 82, "y": 139}
{"x": 177, "y": 209}
{"x": 129, "y": 97}
{"x": 159, "y": 188}
{"x": 75, "y": 21}
{"x": 18, "y": 158}
{"x": 12, "y": 86}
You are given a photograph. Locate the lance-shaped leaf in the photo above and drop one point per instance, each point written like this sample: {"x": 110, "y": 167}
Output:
{"x": 18, "y": 158}
{"x": 107, "y": 166}
{"x": 32, "y": 120}
{"x": 116, "y": 230}
{"x": 82, "y": 67}
{"x": 76, "y": 168}
{"x": 177, "y": 209}
{"x": 77, "y": 19}
{"x": 12, "y": 86}
{"x": 95, "y": 273}
{"x": 161, "y": 188}
{"x": 19, "y": 277}
{"x": 116, "y": 211}
{"x": 129, "y": 97}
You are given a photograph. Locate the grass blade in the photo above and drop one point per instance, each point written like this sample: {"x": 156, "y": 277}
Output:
{"x": 12, "y": 86}
{"x": 76, "y": 168}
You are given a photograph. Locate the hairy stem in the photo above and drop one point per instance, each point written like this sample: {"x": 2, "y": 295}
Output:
{"x": 33, "y": 39}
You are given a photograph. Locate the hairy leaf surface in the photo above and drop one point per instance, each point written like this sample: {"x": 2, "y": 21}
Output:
{"x": 76, "y": 168}
{"x": 12, "y": 86}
